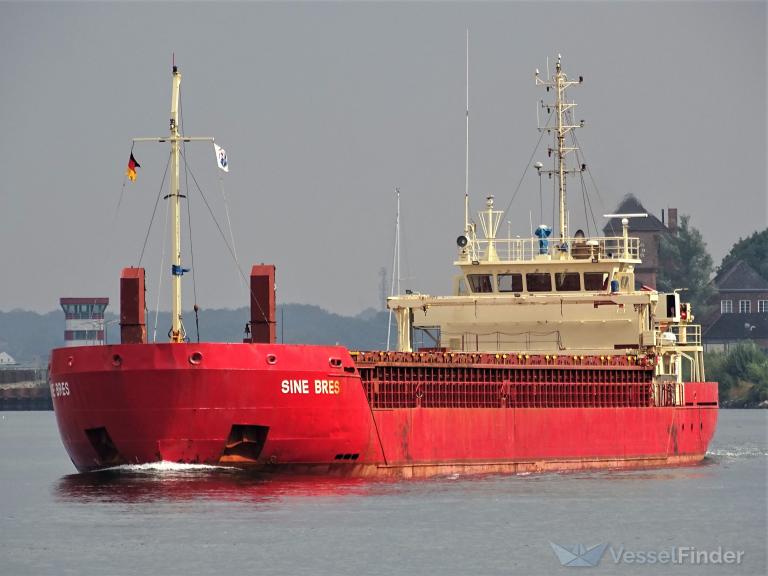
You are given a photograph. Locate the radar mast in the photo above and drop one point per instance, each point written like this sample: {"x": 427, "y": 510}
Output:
{"x": 559, "y": 82}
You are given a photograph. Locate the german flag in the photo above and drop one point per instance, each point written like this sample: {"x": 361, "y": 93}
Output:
{"x": 132, "y": 165}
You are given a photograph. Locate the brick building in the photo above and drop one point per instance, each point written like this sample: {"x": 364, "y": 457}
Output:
{"x": 741, "y": 311}
{"x": 649, "y": 231}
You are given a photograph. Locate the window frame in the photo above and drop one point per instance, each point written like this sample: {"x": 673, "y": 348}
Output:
{"x": 604, "y": 282}
{"x": 540, "y": 274}
{"x": 519, "y": 276}
{"x": 488, "y": 277}
{"x": 570, "y": 275}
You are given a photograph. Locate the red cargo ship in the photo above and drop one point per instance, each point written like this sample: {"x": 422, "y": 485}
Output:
{"x": 545, "y": 357}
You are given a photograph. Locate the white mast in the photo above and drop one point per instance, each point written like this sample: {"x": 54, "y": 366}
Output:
{"x": 177, "y": 328}
{"x": 466, "y": 158}
{"x": 177, "y": 333}
{"x": 397, "y": 232}
{"x": 560, "y": 83}
{"x": 395, "y": 265}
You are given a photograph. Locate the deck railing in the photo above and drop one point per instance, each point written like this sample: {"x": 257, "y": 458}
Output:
{"x": 687, "y": 334}
{"x": 524, "y": 249}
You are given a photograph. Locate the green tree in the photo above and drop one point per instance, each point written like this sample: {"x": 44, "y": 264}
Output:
{"x": 742, "y": 374}
{"x": 685, "y": 263}
{"x": 752, "y": 250}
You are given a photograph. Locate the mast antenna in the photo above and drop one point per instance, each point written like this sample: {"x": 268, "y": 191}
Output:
{"x": 466, "y": 155}
{"x": 559, "y": 82}
{"x": 395, "y": 265}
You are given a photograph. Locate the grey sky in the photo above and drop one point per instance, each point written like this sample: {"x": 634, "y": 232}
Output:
{"x": 324, "y": 108}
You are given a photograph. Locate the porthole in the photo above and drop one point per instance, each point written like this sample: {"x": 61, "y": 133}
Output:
{"x": 195, "y": 358}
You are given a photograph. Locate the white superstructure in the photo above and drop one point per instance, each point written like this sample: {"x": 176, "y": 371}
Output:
{"x": 567, "y": 295}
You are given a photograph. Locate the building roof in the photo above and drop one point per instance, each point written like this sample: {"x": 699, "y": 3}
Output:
{"x": 752, "y": 326}
{"x": 740, "y": 276}
{"x": 6, "y": 359}
{"x": 631, "y": 205}
{"x": 84, "y": 300}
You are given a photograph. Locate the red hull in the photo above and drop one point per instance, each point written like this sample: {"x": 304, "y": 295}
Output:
{"x": 305, "y": 409}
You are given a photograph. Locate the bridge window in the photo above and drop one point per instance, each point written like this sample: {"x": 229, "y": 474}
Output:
{"x": 480, "y": 282}
{"x": 510, "y": 282}
{"x": 83, "y": 335}
{"x": 595, "y": 281}
{"x": 567, "y": 281}
{"x": 538, "y": 282}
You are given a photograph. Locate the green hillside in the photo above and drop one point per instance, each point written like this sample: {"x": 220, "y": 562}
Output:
{"x": 29, "y": 336}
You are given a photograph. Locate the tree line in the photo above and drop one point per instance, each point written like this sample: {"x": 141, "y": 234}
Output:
{"x": 742, "y": 372}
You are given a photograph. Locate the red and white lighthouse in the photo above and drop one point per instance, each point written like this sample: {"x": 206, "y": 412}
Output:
{"x": 84, "y": 325}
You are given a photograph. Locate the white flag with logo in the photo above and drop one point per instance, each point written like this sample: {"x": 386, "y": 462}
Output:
{"x": 221, "y": 157}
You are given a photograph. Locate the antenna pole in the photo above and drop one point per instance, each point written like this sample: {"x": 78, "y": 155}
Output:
{"x": 466, "y": 156}
{"x": 395, "y": 265}
{"x": 397, "y": 233}
{"x": 559, "y": 89}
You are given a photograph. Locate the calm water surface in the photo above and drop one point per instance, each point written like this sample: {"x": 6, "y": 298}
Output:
{"x": 187, "y": 520}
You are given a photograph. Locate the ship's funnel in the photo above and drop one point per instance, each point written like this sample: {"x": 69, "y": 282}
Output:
{"x": 263, "y": 304}
{"x": 133, "y": 324}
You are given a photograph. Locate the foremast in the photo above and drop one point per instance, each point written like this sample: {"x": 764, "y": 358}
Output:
{"x": 560, "y": 83}
{"x": 177, "y": 333}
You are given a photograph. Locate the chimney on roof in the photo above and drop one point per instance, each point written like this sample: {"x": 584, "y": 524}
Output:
{"x": 662, "y": 217}
{"x": 672, "y": 212}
